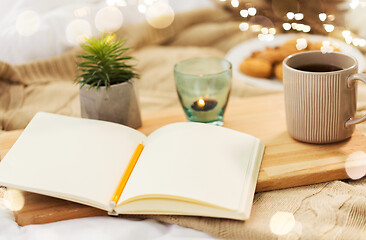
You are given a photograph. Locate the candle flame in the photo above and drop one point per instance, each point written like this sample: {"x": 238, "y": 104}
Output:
{"x": 201, "y": 102}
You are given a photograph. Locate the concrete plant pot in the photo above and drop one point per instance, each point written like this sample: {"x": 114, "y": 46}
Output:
{"x": 117, "y": 104}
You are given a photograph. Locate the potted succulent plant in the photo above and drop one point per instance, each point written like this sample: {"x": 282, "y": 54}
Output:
{"x": 107, "y": 82}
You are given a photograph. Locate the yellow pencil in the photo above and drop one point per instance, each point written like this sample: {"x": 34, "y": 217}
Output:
{"x": 126, "y": 175}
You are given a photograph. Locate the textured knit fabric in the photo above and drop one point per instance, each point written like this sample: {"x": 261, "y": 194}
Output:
{"x": 333, "y": 210}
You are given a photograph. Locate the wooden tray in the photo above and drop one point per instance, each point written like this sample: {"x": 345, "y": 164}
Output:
{"x": 286, "y": 163}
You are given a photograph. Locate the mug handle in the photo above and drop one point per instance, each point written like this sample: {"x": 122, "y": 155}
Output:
{"x": 350, "y": 82}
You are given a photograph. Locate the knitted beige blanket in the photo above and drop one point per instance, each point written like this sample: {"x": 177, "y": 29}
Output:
{"x": 333, "y": 210}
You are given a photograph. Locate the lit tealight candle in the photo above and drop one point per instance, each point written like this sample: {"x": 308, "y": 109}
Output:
{"x": 204, "y": 104}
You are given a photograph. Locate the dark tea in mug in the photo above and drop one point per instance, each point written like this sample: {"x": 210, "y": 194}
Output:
{"x": 318, "y": 68}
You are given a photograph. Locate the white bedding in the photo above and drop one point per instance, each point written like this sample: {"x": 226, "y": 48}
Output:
{"x": 106, "y": 228}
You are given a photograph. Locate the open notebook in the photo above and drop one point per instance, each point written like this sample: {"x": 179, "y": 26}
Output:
{"x": 182, "y": 168}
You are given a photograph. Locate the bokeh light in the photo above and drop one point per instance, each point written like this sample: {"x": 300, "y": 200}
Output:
{"x": 265, "y": 37}
{"x": 282, "y": 223}
{"x": 286, "y": 26}
{"x": 328, "y": 27}
{"x": 322, "y": 16}
{"x": 355, "y": 165}
{"x": 290, "y": 15}
{"x": 299, "y": 16}
{"x": 354, "y": 4}
{"x": 348, "y": 39}
{"x": 108, "y": 19}
{"x": 252, "y": 11}
{"x": 331, "y": 17}
{"x": 256, "y": 28}
{"x": 307, "y": 28}
{"x": 300, "y": 27}
{"x": 27, "y": 23}
{"x": 244, "y": 13}
{"x": 243, "y": 26}
{"x": 301, "y": 44}
{"x": 142, "y": 8}
{"x": 326, "y": 47}
{"x": 160, "y": 15}
{"x": 13, "y": 199}
{"x": 265, "y": 30}
{"x": 235, "y": 3}
{"x": 77, "y": 31}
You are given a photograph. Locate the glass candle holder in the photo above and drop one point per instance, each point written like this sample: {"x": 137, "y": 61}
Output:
{"x": 203, "y": 86}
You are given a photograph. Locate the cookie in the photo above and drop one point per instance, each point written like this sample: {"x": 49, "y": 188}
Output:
{"x": 256, "y": 67}
{"x": 278, "y": 72}
{"x": 271, "y": 55}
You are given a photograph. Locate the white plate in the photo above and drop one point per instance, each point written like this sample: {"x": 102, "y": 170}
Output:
{"x": 237, "y": 54}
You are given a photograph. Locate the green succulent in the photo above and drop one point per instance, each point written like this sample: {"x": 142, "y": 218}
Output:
{"x": 103, "y": 64}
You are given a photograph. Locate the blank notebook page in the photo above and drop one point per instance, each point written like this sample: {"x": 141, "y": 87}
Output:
{"x": 196, "y": 161}
{"x": 74, "y": 157}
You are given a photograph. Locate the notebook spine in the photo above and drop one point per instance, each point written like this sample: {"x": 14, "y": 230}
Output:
{"x": 112, "y": 212}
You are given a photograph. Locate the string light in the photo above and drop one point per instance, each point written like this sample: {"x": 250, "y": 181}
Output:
{"x": 243, "y": 26}
{"x": 252, "y": 11}
{"x": 265, "y": 37}
{"x": 235, "y": 3}
{"x": 328, "y": 27}
{"x": 286, "y": 26}
{"x": 300, "y": 27}
{"x": 362, "y": 42}
{"x": 322, "y": 16}
{"x": 326, "y": 47}
{"x": 346, "y": 33}
{"x": 256, "y": 28}
{"x": 359, "y": 42}
{"x": 307, "y": 28}
{"x": 244, "y": 13}
{"x": 348, "y": 39}
{"x": 331, "y": 17}
{"x": 272, "y": 31}
{"x": 301, "y": 44}
{"x": 290, "y": 15}
{"x": 264, "y": 30}
{"x": 299, "y": 16}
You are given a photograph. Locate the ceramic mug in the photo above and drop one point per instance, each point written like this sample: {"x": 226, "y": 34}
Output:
{"x": 320, "y": 96}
